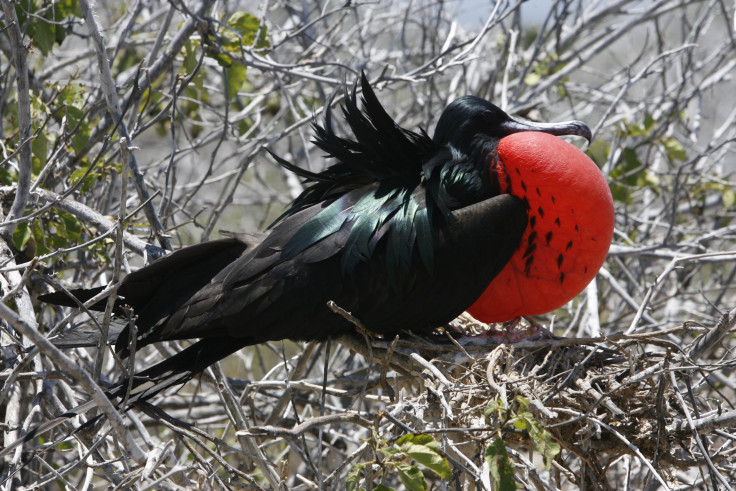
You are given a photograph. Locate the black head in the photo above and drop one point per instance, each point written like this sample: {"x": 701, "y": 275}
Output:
{"x": 468, "y": 117}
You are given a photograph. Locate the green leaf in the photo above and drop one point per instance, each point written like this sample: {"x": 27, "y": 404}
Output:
{"x": 22, "y": 9}
{"x": 649, "y": 122}
{"x": 532, "y": 79}
{"x": 61, "y": 232}
{"x": 45, "y": 26}
{"x": 389, "y": 452}
{"x": 674, "y": 148}
{"x": 381, "y": 487}
{"x": 729, "y": 197}
{"x": 72, "y": 226}
{"x": 523, "y": 403}
{"x": 418, "y": 439}
{"x": 647, "y": 179}
{"x": 548, "y": 448}
{"x": 43, "y": 35}
{"x": 39, "y": 110}
{"x": 68, "y": 8}
{"x": 425, "y": 450}
{"x": 501, "y": 467}
{"x": 495, "y": 408}
{"x": 39, "y": 150}
{"x": 235, "y": 79}
{"x": 79, "y": 125}
{"x": 221, "y": 58}
{"x": 411, "y": 476}
{"x": 39, "y": 237}
{"x": 620, "y": 193}
{"x": 598, "y": 152}
{"x": 626, "y": 175}
{"x": 634, "y": 129}
{"x": 248, "y": 26}
{"x": 244, "y": 125}
{"x": 352, "y": 481}
{"x": 21, "y": 235}
{"x": 627, "y": 166}
{"x": 89, "y": 179}
{"x": 7, "y": 177}
{"x": 190, "y": 56}
{"x": 543, "y": 440}
{"x": 73, "y": 94}
{"x": 67, "y": 445}
{"x": 562, "y": 90}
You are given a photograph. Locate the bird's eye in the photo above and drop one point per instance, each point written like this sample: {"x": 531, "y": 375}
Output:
{"x": 492, "y": 115}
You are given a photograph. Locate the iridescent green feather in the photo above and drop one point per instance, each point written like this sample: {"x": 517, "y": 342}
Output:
{"x": 401, "y": 185}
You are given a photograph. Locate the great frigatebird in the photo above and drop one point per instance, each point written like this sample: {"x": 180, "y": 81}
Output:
{"x": 402, "y": 230}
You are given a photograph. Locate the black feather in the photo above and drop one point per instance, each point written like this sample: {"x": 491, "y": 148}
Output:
{"x": 402, "y": 230}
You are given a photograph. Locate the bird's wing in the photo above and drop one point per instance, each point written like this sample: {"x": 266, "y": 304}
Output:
{"x": 152, "y": 288}
{"x": 237, "y": 301}
{"x": 468, "y": 252}
{"x": 270, "y": 293}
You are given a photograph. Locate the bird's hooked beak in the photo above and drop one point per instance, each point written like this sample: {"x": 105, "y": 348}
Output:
{"x": 516, "y": 125}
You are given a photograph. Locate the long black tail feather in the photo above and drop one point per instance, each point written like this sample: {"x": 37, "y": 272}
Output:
{"x": 176, "y": 370}
{"x": 78, "y": 296}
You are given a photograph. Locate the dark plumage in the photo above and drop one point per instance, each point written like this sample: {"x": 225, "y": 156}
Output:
{"x": 403, "y": 230}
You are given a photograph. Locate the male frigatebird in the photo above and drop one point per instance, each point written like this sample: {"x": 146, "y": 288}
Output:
{"x": 492, "y": 214}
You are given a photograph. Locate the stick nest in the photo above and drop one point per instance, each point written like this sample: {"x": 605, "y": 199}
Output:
{"x": 564, "y": 413}
{"x": 627, "y": 402}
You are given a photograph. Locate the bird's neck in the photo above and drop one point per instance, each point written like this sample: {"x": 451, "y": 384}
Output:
{"x": 468, "y": 178}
